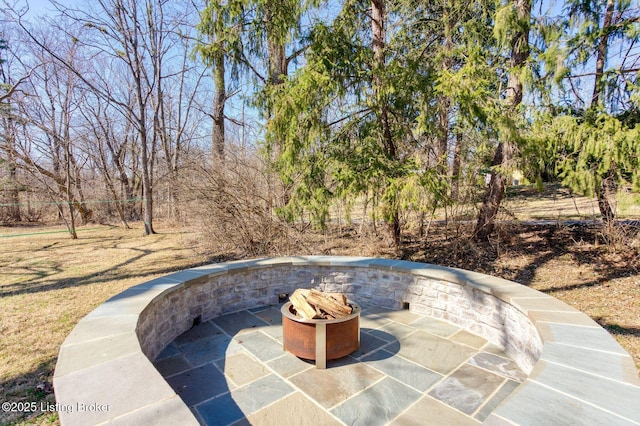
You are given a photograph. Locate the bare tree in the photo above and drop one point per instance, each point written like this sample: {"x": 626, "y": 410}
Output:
{"x": 137, "y": 61}
{"x": 10, "y": 186}
{"x": 44, "y": 142}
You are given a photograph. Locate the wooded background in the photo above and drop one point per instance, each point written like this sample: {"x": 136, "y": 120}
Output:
{"x": 253, "y": 119}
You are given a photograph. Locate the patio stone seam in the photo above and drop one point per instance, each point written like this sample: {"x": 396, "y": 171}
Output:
{"x": 383, "y": 376}
{"x": 212, "y": 398}
{"x": 296, "y": 390}
{"x": 256, "y": 360}
{"x": 288, "y": 380}
{"x": 137, "y": 410}
{"x": 404, "y": 359}
{"x": 264, "y": 334}
{"x": 582, "y": 401}
{"x": 194, "y": 366}
{"x": 503, "y": 419}
{"x": 183, "y": 371}
{"x": 465, "y": 362}
{"x": 490, "y": 396}
{"x": 203, "y": 337}
{"x": 496, "y": 373}
{"x": 197, "y": 415}
{"x": 299, "y": 390}
{"x": 587, "y": 348}
{"x": 588, "y": 372}
{"x": 442, "y": 378}
{"x": 426, "y": 395}
{"x": 97, "y": 338}
{"x": 565, "y": 323}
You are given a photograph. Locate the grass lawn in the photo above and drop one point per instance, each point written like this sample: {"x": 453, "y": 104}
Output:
{"x": 48, "y": 282}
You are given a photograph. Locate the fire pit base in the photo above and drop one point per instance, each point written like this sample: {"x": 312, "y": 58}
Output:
{"x": 320, "y": 339}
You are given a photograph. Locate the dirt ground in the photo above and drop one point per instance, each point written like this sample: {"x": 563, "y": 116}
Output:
{"x": 570, "y": 263}
{"x": 49, "y": 282}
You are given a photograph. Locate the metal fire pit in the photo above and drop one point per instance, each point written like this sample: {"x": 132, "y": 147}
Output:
{"x": 320, "y": 339}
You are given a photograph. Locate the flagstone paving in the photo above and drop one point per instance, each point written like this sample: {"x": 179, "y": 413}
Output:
{"x": 410, "y": 369}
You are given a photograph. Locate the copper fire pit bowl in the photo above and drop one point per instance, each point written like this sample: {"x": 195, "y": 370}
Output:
{"x": 320, "y": 339}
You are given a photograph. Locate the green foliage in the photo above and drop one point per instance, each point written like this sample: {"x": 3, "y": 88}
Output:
{"x": 571, "y": 43}
{"x": 327, "y": 117}
{"x": 221, "y": 23}
{"x": 585, "y": 149}
{"x": 506, "y": 22}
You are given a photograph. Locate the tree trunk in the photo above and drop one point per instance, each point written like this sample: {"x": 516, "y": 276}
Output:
{"x": 103, "y": 165}
{"x": 391, "y": 211}
{"x": 219, "y": 100}
{"x": 14, "y": 195}
{"x": 606, "y": 198}
{"x": 86, "y": 214}
{"x": 278, "y": 68}
{"x": 494, "y": 194}
{"x": 442, "y": 134}
{"x": 609, "y": 186}
{"x": 71, "y": 224}
{"x": 456, "y": 168}
{"x": 13, "y": 210}
{"x": 503, "y": 156}
{"x": 147, "y": 191}
{"x": 126, "y": 189}
{"x": 14, "y": 191}
{"x": 444, "y": 102}
{"x": 601, "y": 54}
{"x": 277, "y": 62}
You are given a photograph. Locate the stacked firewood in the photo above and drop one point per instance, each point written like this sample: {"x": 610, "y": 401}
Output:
{"x": 314, "y": 304}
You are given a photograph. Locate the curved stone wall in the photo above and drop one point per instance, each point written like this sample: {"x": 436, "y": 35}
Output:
{"x": 570, "y": 358}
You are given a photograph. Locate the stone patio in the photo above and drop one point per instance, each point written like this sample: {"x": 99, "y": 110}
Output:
{"x": 410, "y": 369}
{"x": 577, "y": 372}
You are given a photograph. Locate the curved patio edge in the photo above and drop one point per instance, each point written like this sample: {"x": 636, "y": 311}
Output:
{"x": 578, "y": 373}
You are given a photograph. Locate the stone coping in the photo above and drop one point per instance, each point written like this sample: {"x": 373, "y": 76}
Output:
{"x": 578, "y": 373}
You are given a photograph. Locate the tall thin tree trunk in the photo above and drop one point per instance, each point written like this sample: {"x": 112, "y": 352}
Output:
{"x": 219, "y": 100}
{"x": 606, "y": 193}
{"x": 278, "y": 69}
{"x": 608, "y": 186}
{"x": 392, "y": 213}
{"x": 71, "y": 224}
{"x": 601, "y": 54}
{"x": 14, "y": 194}
{"x": 444, "y": 102}
{"x": 503, "y": 157}
{"x": 147, "y": 185}
{"x": 14, "y": 190}
{"x": 442, "y": 134}
{"x": 456, "y": 168}
{"x": 126, "y": 188}
{"x": 109, "y": 183}
{"x": 9, "y": 135}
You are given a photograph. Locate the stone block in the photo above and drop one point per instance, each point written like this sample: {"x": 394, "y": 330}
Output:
{"x": 100, "y": 387}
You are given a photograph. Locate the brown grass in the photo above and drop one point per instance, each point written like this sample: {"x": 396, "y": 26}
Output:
{"x": 48, "y": 282}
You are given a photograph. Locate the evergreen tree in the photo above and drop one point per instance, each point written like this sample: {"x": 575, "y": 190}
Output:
{"x": 346, "y": 118}
{"x": 221, "y": 23}
{"x": 591, "y": 137}
{"x": 513, "y": 27}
